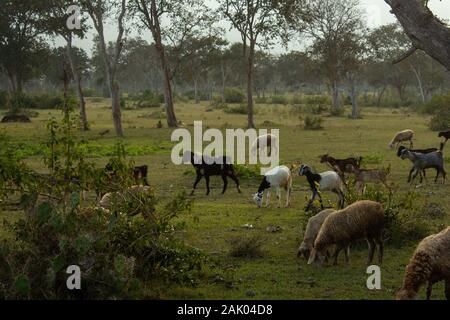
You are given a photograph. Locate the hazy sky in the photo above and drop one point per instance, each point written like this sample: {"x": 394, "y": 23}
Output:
{"x": 377, "y": 13}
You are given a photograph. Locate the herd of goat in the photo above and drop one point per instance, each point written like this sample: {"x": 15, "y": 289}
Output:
{"x": 338, "y": 229}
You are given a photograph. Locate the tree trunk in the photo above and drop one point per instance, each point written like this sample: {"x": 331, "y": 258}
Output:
{"x": 168, "y": 95}
{"x": 250, "y": 69}
{"x": 77, "y": 78}
{"x": 335, "y": 96}
{"x": 196, "y": 91}
{"x": 380, "y": 96}
{"x": 223, "y": 82}
{"x": 353, "y": 98}
{"x": 419, "y": 81}
{"x": 117, "y": 113}
{"x": 425, "y": 31}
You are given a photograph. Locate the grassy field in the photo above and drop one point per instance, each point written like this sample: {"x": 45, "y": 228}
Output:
{"x": 217, "y": 219}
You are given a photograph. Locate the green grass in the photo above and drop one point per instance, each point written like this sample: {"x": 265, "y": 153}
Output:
{"x": 217, "y": 219}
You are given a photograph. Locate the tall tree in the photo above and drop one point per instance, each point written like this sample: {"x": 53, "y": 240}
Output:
{"x": 331, "y": 24}
{"x": 55, "y": 16}
{"x": 184, "y": 19}
{"x": 20, "y": 45}
{"x": 259, "y": 22}
{"x": 100, "y": 11}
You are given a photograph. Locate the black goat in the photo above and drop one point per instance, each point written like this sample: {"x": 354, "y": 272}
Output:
{"x": 422, "y": 151}
{"x": 140, "y": 174}
{"x": 445, "y": 135}
{"x": 207, "y": 167}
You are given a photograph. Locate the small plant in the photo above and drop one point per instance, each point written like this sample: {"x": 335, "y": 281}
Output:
{"x": 279, "y": 100}
{"x": 441, "y": 121}
{"x": 246, "y": 247}
{"x": 313, "y": 123}
{"x": 240, "y": 109}
{"x": 234, "y": 95}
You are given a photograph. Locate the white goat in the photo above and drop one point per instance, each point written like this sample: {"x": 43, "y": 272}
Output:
{"x": 325, "y": 181}
{"x": 268, "y": 141}
{"x": 278, "y": 177}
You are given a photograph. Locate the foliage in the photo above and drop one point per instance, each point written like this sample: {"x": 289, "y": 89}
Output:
{"x": 234, "y": 95}
{"x": 440, "y": 121}
{"x": 118, "y": 250}
{"x": 240, "y": 109}
{"x": 245, "y": 171}
{"x": 313, "y": 123}
{"x": 437, "y": 104}
{"x": 146, "y": 99}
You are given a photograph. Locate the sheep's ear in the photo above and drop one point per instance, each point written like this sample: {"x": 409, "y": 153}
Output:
{"x": 312, "y": 256}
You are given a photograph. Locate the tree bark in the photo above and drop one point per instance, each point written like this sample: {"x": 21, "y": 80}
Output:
{"x": 77, "y": 78}
{"x": 419, "y": 81}
{"x": 424, "y": 29}
{"x": 223, "y": 82}
{"x": 380, "y": 96}
{"x": 335, "y": 96}
{"x": 117, "y": 113}
{"x": 250, "y": 71}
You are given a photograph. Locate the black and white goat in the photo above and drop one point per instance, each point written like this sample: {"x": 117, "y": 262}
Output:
{"x": 278, "y": 177}
{"x": 206, "y": 167}
{"x": 325, "y": 181}
{"x": 424, "y": 161}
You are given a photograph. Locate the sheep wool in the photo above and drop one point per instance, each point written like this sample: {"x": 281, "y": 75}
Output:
{"x": 363, "y": 219}
{"x": 312, "y": 229}
{"x": 429, "y": 263}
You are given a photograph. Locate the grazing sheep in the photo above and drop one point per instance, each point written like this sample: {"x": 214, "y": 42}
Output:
{"x": 363, "y": 219}
{"x": 364, "y": 176}
{"x": 406, "y": 135}
{"x": 207, "y": 167}
{"x": 325, "y": 181}
{"x": 429, "y": 263}
{"x": 424, "y": 161}
{"x": 278, "y": 177}
{"x": 312, "y": 229}
{"x": 268, "y": 141}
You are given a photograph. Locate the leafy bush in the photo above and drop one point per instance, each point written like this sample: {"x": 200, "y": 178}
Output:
{"x": 246, "y": 247}
{"x": 279, "y": 100}
{"x": 240, "y": 109}
{"x": 234, "y": 95}
{"x": 245, "y": 171}
{"x": 437, "y": 104}
{"x": 117, "y": 253}
{"x": 317, "y": 100}
{"x": 440, "y": 121}
{"x": 313, "y": 123}
{"x": 261, "y": 100}
{"x": 146, "y": 99}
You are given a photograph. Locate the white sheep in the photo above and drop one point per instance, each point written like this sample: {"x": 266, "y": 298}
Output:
{"x": 278, "y": 177}
{"x": 312, "y": 229}
{"x": 362, "y": 219}
{"x": 325, "y": 181}
{"x": 405, "y": 135}
{"x": 268, "y": 141}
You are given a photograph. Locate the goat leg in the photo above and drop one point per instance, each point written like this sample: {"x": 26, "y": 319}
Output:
{"x": 225, "y": 183}
{"x": 208, "y": 190}
{"x": 197, "y": 180}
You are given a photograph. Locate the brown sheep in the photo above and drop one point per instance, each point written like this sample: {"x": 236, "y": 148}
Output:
{"x": 362, "y": 219}
{"x": 429, "y": 263}
{"x": 406, "y": 135}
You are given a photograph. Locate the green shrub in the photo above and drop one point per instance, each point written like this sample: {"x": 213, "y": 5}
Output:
{"x": 234, "y": 95}
{"x": 261, "y": 100}
{"x": 240, "y": 109}
{"x": 279, "y": 100}
{"x": 245, "y": 171}
{"x": 317, "y": 100}
{"x": 440, "y": 121}
{"x": 313, "y": 123}
{"x": 437, "y": 104}
{"x": 146, "y": 99}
